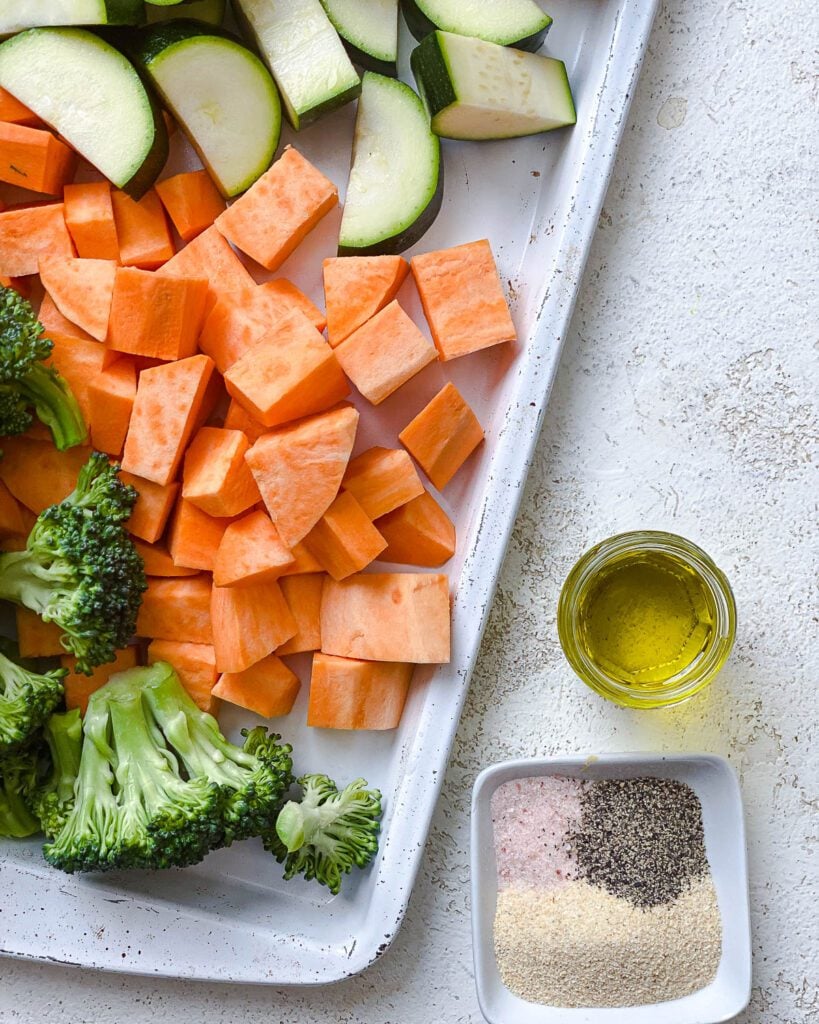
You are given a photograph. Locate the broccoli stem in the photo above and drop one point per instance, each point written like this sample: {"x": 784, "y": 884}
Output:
{"x": 26, "y": 581}
{"x": 63, "y": 734}
{"x": 16, "y": 820}
{"x": 55, "y": 405}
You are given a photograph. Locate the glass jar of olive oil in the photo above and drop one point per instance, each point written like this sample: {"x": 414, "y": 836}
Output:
{"x": 646, "y": 619}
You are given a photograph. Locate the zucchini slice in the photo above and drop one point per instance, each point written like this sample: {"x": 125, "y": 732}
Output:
{"x": 369, "y": 31}
{"x": 90, "y": 94}
{"x": 222, "y": 96}
{"x": 212, "y": 12}
{"x": 303, "y": 50}
{"x": 478, "y": 90}
{"x": 19, "y": 16}
{"x": 397, "y": 177}
{"x": 518, "y": 23}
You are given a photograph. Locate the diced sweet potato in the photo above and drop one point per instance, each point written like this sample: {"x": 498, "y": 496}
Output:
{"x": 82, "y": 290}
{"x": 13, "y": 111}
{"x": 37, "y": 474}
{"x": 387, "y": 617}
{"x": 303, "y": 562}
{"x": 79, "y": 361}
{"x": 382, "y": 479}
{"x": 278, "y": 210}
{"x": 158, "y": 562}
{"x": 356, "y": 288}
{"x": 209, "y": 256}
{"x": 111, "y": 397}
{"x": 216, "y": 477}
{"x": 291, "y": 372}
{"x": 89, "y": 217}
{"x": 12, "y": 519}
{"x": 34, "y": 159}
{"x": 30, "y": 232}
{"x": 298, "y": 469}
{"x": 194, "y": 536}
{"x": 344, "y": 540}
{"x": 250, "y": 551}
{"x": 192, "y": 202}
{"x": 385, "y": 353}
{"x": 303, "y": 596}
{"x": 349, "y": 694}
{"x": 153, "y": 507}
{"x": 195, "y": 665}
{"x": 443, "y": 435}
{"x": 463, "y": 299}
{"x": 35, "y": 638}
{"x": 78, "y": 687}
{"x": 142, "y": 230}
{"x": 267, "y": 688}
{"x": 158, "y": 317}
{"x": 248, "y": 624}
{"x": 418, "y": 533}
{"x": 238, "y": 418}
{"x": 177, "y": 609}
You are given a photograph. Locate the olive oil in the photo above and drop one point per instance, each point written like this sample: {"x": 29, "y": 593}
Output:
{"x": 646, "y": 618}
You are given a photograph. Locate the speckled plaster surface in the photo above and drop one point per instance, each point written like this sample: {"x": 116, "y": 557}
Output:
{"x": 686, "y": 400}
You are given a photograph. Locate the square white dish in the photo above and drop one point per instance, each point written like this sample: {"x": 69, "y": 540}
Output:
{"x": 716, "y": 785}
{"x": 233, "y": 918}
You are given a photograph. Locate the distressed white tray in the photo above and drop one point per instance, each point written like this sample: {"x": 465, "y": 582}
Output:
{"x": 232, "y": 918}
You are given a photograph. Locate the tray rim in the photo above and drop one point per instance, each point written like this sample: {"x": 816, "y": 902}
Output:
{"x": 632, "y": 26}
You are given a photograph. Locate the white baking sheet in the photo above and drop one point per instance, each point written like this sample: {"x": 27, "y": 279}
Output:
{"x": 232, "y": 917}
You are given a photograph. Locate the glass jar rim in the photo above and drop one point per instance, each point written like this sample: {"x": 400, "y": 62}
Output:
{"x": 688, "y": 681}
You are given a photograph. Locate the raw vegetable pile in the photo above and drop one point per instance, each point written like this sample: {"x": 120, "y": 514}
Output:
{"x": 180, "y": 484}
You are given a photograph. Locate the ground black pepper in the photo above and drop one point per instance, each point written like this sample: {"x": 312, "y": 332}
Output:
{"x": 641, "y": 839}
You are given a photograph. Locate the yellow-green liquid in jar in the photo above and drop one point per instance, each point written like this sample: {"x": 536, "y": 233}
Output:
{"x": 645, "y": 618}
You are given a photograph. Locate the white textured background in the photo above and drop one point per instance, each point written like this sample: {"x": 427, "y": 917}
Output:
{"x": 686, "y": 400}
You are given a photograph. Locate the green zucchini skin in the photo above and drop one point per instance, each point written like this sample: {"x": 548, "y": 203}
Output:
{"x": 368, "y": 62}
{"x": 429, "y": 68}
{"x": 117, "y": 12}
{"x": 151, "y": 42}
{"x": 421, "y": 26}
{"x": 399, "y": 243}
{"x": 210, "y": 12}
{"x": 152, "y": 166}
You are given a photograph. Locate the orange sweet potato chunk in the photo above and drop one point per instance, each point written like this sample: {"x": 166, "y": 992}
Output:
{"x": 78, "y": 687}
{"x": 142, "y": 230}
{"x": 346, "y": 693}
{"x": 303, "y": 562}
{"x": 111, "y": 397}
{"x": 358, "y": 287}
{"x": 194, "y": 536}
{"x": 418, "y": 533}
{"x": 35, "y": 638}
{"x": 303, "y": 596}
{"x": 192, "y": 202}
{"x": 298, "y": 469}
{"x": 381, "y": 479}
{"x": 157, "y": 317}
{"x": 250, "y": 551}
{"x": 238, "y": 418}
{"x": 153, "y": 507}
{"x": 248, "y": 624}
{"x": 463, "y": 299}
{"x": 195, "y": 665}
{"x": 209, "y": 256}
{"x": 89, "y": 216}
{"x": 443, "y": 435}
{"x": 278, "y": 210}
{"x": 34, "y": 159}
{"x": 387, "y": 617}
{"x": 13, "y": 111}
{"x": 37, "y": 474}
{"x": 158, "y": 562}
{"x": 82, "y": 290}
{"x": 267, "y": 688}
{"x": 177, "y": 609}
{"x": 291, "y": 372}
{"x": 344, "y": 540}
{"x": 30, "y": 232}
{"x": 216, "y": 477}
{"x": 12, "y": 514}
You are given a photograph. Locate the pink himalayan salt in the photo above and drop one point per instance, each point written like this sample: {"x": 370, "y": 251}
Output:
{"x": 531, "y": 819}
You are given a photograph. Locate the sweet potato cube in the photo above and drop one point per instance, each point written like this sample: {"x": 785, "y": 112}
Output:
{"x": 303, "y": 596}
{"x": 153, "y": 316}
{"x": 169, "y": 401}
{"x": 248, "y": 624}
{"x": 35, "y": 638}
{"x": 89, "y": 216}
{"x": 37, "y": 474}
{"x": 443, "y": 435}
{"x": 278, "y": 210}
{"x": 250, "y": 551}
{"x": 78, "y": 687}
{"x": 111, "y": 397}
{"x": 298, "y": 469}
{"x": 57, "y": 325}
{"x": 192, "y": 202}
{"x": 358, "y": 287}
{"x": 79, "y": 361}
{"x": 82, "y": 290}
{"x": 194, "y": 536}
{"x": 344, "y": 540}
{"x": 209, "y": 256}
{"x": 346, "y": 693}
{"x": 463, "y": 299}
{"x": 12, "y": 518}
{"x": 13, "y": 111}
{"x": 291, "y": 372}
{"x": 387, "y": 617}
{"x": 303, "y": 562}
{"x": 267, "y": 688}
{"x": 158, "y": 562}
{"x": 142, "y": 230}
{"x": 34, "y": 159}
{"x": 238, "y": 418}
{"x": 195, "y": 665}
{"x": 381, "y": 479}
{"x": 29, "y": 232}
{"x": 215, "y": 476}
{"x": 153, "y": 507}
{"x": 418, "y": 533}
{"x": 177, "y": 609}
{"x": 385, "y": 353}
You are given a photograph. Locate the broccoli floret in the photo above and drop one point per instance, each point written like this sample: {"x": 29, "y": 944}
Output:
{"x": 53, "y": 798}
{"x": 158, "y": 784}
{"x": 26, "y": 700}
{"x": 18, "y": 777}
{"x": 252, "y": 778}
{"x": 26, "y": 382}
{"x": 328, "y": 832}
{"x": 79, "y": 568}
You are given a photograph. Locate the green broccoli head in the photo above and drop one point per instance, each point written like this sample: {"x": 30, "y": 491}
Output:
{"x": 26, "y": 382}
{"x": 18, "y": 778}
{"x": 53, "y": 798}
{"x": 252, "y": 779}
{"x": 328, "y": 832}
{"x": 26, "y": 700}
{"x": 80, "y": 569}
